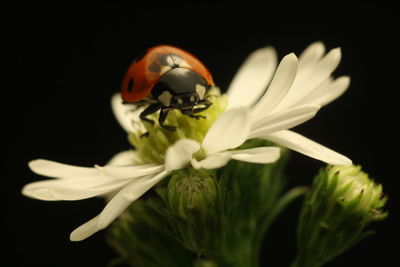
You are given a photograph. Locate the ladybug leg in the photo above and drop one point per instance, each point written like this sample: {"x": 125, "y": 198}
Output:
{"x": 146, "y": 134}
{"x": 163, "y": 117}
{"x": 207, "y": 104}
{"x": 150, "y": 110}
{"x": 197, "y": 116}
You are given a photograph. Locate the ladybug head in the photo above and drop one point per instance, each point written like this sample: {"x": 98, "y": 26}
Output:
{"x": 186, "y": 102}
{"x": 180, "y": 88}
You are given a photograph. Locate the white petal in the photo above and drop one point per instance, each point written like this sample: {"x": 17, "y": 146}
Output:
{"x": 327, "y": 92}
{"x": 79, "y": 182}
{"x": 307, "y": 147}
{"x": 124, "y": 158}
{"x": 261, "y": 155}
{"x": 283, "y": 120}
{"x": 59, "y": 170}
{"x": 230, "y": 130}
{"x": 311, "y": 55}
{"x": 85, "y": 230}
{"x": 126, "y": 196}
{"x": 116, "y": 206}
{"x": 126, "y": 115}
{"x": 129, "y": 172}
{"x": 279, "y": 87}
{"x": 255, "y": 155}
{"x": 180, "y": 154}
{"x": 252, "y": 78}
{"x": 71, "y": 189}
{"x": 213, "y": 161}
{"x": 308, "y": 81}
{"x": 320, "y": 72}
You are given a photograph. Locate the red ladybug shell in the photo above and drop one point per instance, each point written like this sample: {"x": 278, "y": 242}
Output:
{"x": 147, "y": 69}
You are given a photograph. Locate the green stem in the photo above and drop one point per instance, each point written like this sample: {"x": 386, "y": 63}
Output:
{"x": 303, "y": 262}
{"x": 281, "y": 204}
{"x": 285, "y": 200}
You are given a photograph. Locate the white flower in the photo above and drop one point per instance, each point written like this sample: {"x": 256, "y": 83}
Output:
{"x": 296, "y": 91}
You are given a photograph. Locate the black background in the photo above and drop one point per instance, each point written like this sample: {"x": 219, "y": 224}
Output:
{"x": 65, "y": 62}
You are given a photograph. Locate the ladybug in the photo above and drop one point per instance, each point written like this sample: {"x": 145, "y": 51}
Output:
{"x": 166, "y": 78}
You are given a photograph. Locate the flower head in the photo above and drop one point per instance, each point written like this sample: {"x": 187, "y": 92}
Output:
{"x": 341, "y": 204}
{"x": 152, "y": 148}
{"x": 296, "y": 89}
{"x": 353, "y": 186}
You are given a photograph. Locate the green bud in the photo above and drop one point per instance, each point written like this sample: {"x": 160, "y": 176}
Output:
{"x": 195, "y": 208}
{"x": 191, "y": 191}
{"x": 205, "y": 263}
{"x": 342, "y": 202}
{"x": 355, "y": 188}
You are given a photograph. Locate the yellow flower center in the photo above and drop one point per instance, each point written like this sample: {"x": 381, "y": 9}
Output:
{"x": 152, "y": 147}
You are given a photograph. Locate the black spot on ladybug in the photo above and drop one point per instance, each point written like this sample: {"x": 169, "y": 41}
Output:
{"x": 140, "y": 56}
{"x": 154, "y": 67}
{"x": 130, "y": 85}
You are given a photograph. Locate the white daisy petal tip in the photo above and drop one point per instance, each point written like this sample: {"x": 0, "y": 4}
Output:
{"x": 333, "y": 91}
{"x": 317, "y": 44}
{"x": 303, "y": 145}
{"x": 340, "y": 160}
{"x": 279, "y": 87}
{"x": 261, "y": 54}
{"x": 41, "y": 194}
{"x": 334, "y": 56}
{"x": 85, "y": 230}
{"x": 345, "y": 80}
{"x": 291, "y": 58}
{"x": 36, "y": 164}
{"x": 291, "y": 61}
{"x": 116, "y": 98}
{"x": 29, "y": 192}
{"x": 51, "y": 168}
{"x": 124, "y": 158}
{"x": 253, "y": 76}
{"x": 264, "y": 50}
{"x": 122, "y": 113}
{"x": 318, "y": 47}
{"x": 46, "y": 193}
{"x": 313, "y": 52}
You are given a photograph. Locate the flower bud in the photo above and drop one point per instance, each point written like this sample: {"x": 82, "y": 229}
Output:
{"x": 354, "y": 187}
{"x": 342, "y": 202}
{"x": 191, "y": 191}
{"x": 205, "y": 263}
